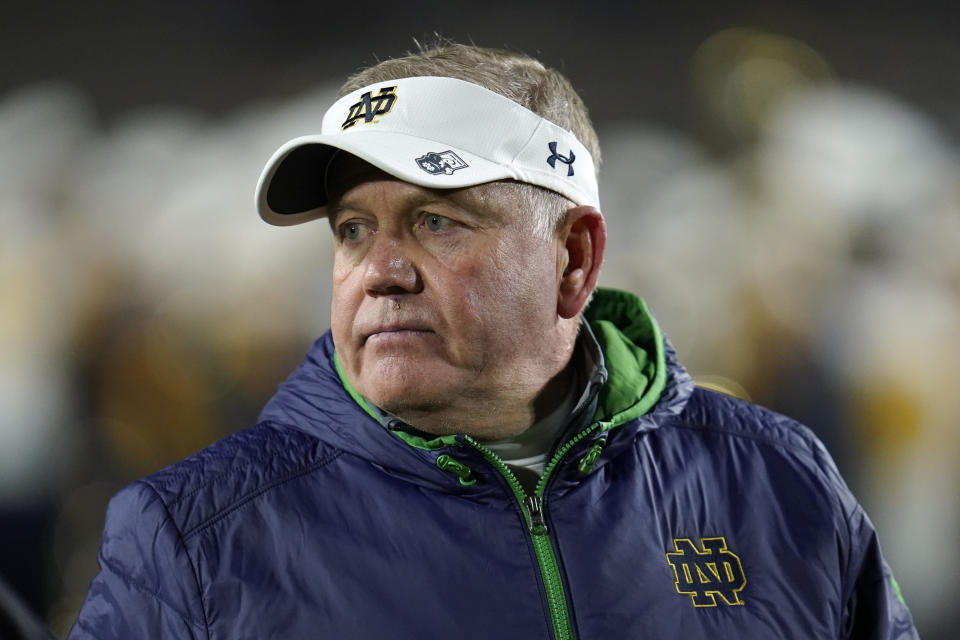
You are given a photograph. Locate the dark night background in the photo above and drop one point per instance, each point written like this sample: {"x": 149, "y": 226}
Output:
{"x": 216, "y": 69}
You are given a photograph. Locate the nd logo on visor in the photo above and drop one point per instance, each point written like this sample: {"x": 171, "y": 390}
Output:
{"x": 370, "y": 107}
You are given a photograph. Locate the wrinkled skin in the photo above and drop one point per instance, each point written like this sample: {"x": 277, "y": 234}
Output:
{"x": 447, "y": 308}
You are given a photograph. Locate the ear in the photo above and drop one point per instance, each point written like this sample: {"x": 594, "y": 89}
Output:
{"x": 583, "y": 238}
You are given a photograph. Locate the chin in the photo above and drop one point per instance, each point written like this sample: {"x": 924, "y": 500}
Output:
{"x": 412, "y": 408}
{"x": 411, "y": 388}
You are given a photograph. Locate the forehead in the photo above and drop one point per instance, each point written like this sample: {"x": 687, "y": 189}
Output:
{"x": 346, "y": 172}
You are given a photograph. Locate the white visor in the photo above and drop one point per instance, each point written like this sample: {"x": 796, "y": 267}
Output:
{"x": 439, "y": 133}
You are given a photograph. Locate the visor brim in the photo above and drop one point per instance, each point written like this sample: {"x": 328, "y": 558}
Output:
{"x": 292, "y": 188}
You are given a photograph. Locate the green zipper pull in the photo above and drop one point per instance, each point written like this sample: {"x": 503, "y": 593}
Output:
{"x": 590, "y": 459}
{"x": 538, "y": 524}
{"x": 461, "y": 470}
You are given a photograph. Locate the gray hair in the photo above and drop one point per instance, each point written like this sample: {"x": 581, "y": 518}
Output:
{"x": 519, "y": 77}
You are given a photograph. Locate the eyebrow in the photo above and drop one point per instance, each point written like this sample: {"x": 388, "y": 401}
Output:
{"x": 334, "y": 209}
{"x": 342, "y": 204}
{"x": 423, "y": 197}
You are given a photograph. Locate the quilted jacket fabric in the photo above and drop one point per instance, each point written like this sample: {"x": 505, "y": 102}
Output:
{"x": 702, "y": 517}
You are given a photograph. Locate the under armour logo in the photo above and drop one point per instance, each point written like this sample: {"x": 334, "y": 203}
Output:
{"x": 567, "y": 160}
{"x": 708, "y": 572}
{"x": 370, "y": 106}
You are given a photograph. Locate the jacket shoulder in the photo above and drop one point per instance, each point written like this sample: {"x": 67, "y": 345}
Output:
{"x": 149, "y": 581}
{"x": 728, "y": 417}
{"x": 714, "y": 411}
{"x": 228, "y": 473}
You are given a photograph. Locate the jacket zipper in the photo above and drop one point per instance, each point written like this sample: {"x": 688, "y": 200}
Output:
{"x": 532, "y": 508}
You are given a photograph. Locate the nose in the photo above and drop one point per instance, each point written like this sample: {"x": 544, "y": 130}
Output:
{"x": 389, "y": 270}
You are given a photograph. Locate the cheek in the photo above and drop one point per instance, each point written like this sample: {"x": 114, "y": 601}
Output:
{"x": 526, "y": 272}
{"x": 342, "y": 268}
{"x": 512, "y": 293}
{"x": 344, "y": 302}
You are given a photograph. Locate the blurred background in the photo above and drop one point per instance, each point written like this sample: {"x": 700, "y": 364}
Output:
{"x": 782, "y": 185}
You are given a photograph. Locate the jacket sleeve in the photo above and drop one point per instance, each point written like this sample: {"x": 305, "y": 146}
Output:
{"x": 875, "y": 608}
{"x": 872, "y": 607}
{"x": 147, "y": 587}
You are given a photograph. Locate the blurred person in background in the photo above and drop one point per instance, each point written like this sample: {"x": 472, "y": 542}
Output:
{"x": 483, "y": 434}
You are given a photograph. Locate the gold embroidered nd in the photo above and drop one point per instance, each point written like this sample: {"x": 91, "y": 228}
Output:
{"x": 707, "y": 572}
{"x": 370, "y": 106}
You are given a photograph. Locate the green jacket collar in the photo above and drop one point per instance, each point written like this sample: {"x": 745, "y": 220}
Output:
{"x": 634, "y": 355}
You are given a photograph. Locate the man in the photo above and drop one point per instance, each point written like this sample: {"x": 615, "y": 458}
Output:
{"x": 473, "y": 450}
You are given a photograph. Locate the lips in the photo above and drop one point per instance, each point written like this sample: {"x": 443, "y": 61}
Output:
{"x": 398, "y": 328}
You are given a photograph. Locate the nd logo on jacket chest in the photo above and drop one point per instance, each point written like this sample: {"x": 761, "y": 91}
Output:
{"x": 707, "y": 573}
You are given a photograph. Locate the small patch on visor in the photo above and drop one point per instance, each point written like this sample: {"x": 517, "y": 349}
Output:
{"x": 443, "y": 162}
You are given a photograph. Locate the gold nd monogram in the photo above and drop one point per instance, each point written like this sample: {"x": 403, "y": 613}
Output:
{"x": 707, "y": 572}
{"x": 370, "y": 106}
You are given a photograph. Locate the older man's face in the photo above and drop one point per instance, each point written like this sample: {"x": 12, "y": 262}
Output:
{"x": 441, "y": 299}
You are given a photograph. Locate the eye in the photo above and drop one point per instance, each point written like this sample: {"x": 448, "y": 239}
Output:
{"x": 434, "y": 222}
{"x": 353, "y": 231}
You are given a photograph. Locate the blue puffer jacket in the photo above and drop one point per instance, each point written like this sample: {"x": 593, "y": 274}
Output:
{"x": 678, "y": 513}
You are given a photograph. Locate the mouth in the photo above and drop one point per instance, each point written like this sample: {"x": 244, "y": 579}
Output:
{"x": 397, "y": 332}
